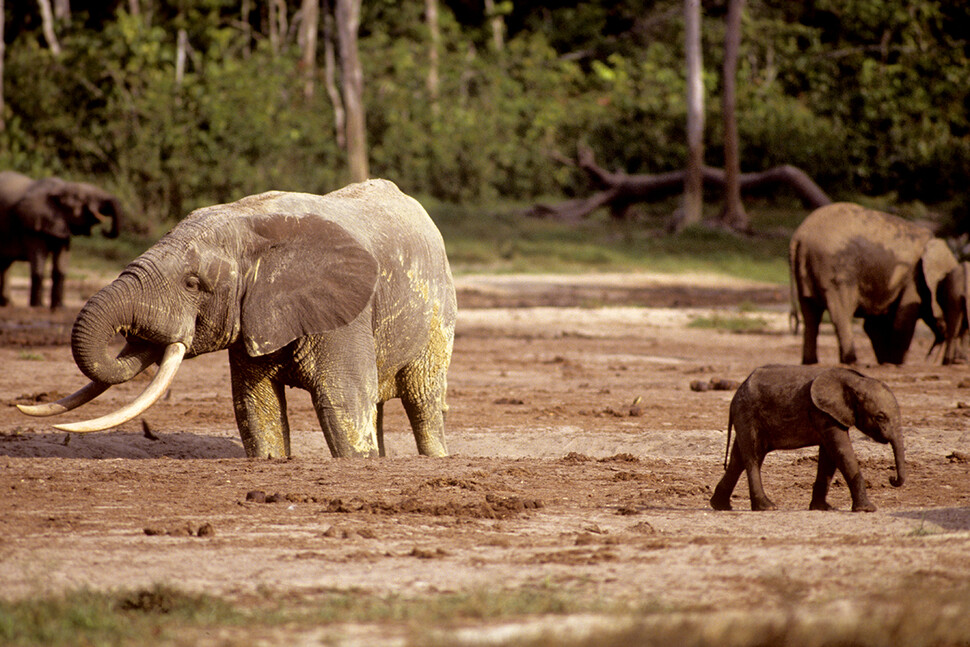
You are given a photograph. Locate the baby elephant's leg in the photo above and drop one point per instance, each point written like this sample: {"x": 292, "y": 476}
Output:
{"x": 721, "y": 500}
{"x": 826, "y": 470}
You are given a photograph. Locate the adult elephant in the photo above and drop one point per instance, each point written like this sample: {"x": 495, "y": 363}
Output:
{"x": 37, "y": 220}
{"x": 348, "y": 296}
{"x": 854, "y": 261}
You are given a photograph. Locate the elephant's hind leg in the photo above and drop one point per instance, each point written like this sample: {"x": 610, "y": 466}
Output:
{"x": 721, "y": 499}
{"x": 812, "y": 314}
{"x": 423, "y": 397}
{"x": 427, "y": 419}
{"x": 823, "y": 479}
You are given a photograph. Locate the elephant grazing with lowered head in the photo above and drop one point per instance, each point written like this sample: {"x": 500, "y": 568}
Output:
{"x": 856, "y": 262}
{"x": 37, "y": 220}
{"x": 347, "y": 295}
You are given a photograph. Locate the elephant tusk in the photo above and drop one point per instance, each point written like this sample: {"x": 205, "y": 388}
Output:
{"x": 167, "y": 369}
{"x": 100, "y": 216}
{"x": 83, "y": 395}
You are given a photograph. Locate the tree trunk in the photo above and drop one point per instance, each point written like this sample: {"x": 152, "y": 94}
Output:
{"x": 434, "y": 36}
{"x": 352, "y": 80}
{"x": 181, "y": 54}
{"x": 497, "y": 25}
{"x": 330, "y": 77}
{"x": 134, "y": 8}
{"x": 733, "y": 215}
{"x": 693, "y": 181}
{"x": 308, "y": 30}
{"x": 62, "y": 10}
{"x": 47, "y": 20}
{"x": 277, "y": 24}
{"x": 618, "y": 191}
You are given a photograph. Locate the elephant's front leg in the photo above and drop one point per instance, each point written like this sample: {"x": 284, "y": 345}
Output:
{"x": 37, "y": 257}
{"x": 837, "y": 444}
{"x": 756, "y": 490}
{"x": 340, "y": 372}
{"x": 59, "y": 259}
{"x": 259, "y": 401}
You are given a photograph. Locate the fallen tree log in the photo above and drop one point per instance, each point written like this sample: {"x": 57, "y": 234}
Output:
{"x": 619, "y": 191}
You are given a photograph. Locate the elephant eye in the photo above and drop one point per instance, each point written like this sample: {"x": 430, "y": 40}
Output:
{"x": 192, "y": 283}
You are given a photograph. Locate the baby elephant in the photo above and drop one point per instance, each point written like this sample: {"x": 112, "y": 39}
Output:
{"x": 787, "y": 407}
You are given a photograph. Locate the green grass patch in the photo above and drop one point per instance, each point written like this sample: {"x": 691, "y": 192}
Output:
{"x": 502, "y": 240}
{"x": 120, "y": 618}
{"x": 731, "y": 323}
{"x": 165, "y": 616}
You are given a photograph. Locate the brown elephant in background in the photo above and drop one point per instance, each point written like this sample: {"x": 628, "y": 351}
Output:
{"x": 854, "y": 261}
{"x": 788, "y": 407}
{"x": 37, "y": 220}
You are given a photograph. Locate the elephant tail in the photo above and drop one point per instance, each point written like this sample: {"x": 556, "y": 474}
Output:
{"x": 727, "y": 448}
{"x": 793, "y": 318}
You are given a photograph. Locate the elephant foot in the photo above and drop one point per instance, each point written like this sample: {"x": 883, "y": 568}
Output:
{"x": 721, "y": 503}
{"x": 864, "y": 506}
{"x": 760, "y": 505}
{"x": 849, "y": 358}
{"x": 820, "y": 505}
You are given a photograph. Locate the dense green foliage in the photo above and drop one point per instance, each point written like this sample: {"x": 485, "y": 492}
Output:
{"x": 868, "y": 97}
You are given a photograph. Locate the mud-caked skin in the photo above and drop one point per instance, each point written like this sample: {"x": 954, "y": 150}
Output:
{"x": 347, "y": 295}
{"x": 788, "y": 407}
{"x": 37, "y": 220}
{"x": 856, "y": 262}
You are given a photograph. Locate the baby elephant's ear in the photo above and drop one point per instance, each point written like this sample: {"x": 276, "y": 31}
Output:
{"x": 309, "y": 276}
{"x": 832, "y": 394}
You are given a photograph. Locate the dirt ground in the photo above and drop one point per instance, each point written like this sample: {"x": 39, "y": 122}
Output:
{"x": 581, "y": 463}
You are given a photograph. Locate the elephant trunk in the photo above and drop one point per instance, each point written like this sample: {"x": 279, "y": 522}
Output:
{"x": 899, "y": 453}
{"x": 105, "y": 315}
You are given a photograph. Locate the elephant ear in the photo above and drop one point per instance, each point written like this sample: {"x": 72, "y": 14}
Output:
{"x": 309, "y": 276}
{"x": 43, "y": 210}
{"x": 937, "y": 261}
{"x": 831, "y": 394}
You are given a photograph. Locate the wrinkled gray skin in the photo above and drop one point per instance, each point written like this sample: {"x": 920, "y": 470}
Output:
{"x": 854, "y": 261}
{"x": 37, "y": 220}
{"x": 348, "y": 296}
{"x": 788, "y": 407}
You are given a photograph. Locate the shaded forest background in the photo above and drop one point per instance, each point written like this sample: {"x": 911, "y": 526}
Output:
{"x": 869, "y": 97}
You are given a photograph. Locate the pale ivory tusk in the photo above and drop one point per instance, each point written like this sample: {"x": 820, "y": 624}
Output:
{"x": 100, "y": 216}
{"x": 83, "y": 395}
{"x": 167, "y": 369}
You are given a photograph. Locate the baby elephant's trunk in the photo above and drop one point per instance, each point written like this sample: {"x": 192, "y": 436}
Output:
{"x": 899, "y": 453}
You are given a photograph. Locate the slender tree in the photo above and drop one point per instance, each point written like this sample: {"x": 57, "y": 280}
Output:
{"x": 352, "y": 82}
{"x": 330, "y": 77}
{"x": 308, "y": 41}
{"x": 434, "y": 45}
{"x": 694, "y": 180}
{"x": 497, "y": 24}
{"x": 47, "y": 23}
{"x": 733, "y": 215}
